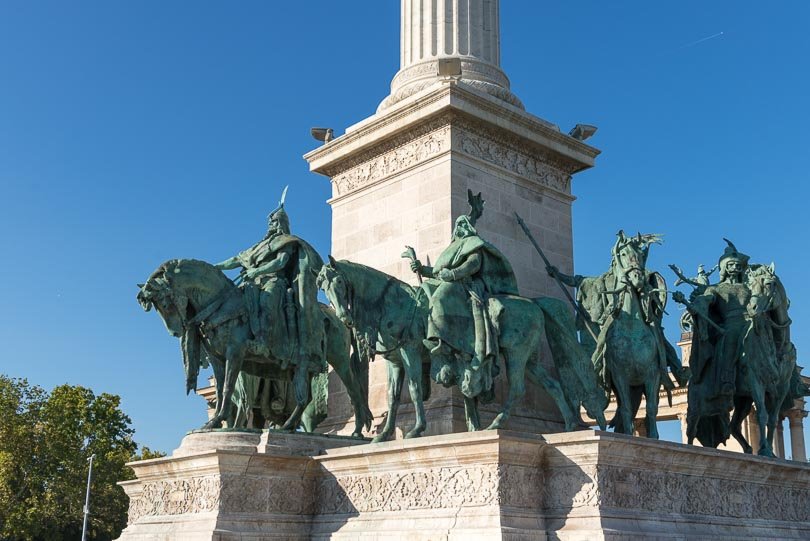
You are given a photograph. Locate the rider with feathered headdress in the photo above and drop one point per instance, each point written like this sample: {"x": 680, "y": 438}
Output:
{"x": 279, "y": 280}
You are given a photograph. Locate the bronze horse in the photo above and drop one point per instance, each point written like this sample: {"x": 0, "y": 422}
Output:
{"x": 391, "y": 315}
{"x": 203, "y": 307}
{"x": 765, "y": 373}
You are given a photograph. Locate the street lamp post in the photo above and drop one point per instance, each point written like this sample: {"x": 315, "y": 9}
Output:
{"x": 87, "y": 498}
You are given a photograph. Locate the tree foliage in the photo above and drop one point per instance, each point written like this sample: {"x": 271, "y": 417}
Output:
{"x": 46, "y": 440}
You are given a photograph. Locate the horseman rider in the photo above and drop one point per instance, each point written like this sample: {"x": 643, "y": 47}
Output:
{"x": 596, "y": 295}
{"x": 281, "y": 296}
{"x": 715, "y": 355}
{"x": 465, "y": 276}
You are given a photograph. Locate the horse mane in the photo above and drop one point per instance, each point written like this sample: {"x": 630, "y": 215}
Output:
{"x": 192, "y": 266}
{"x": 369, "y": 316}
{"x": 778, "y": 314}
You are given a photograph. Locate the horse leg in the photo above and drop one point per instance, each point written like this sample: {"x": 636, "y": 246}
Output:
{"x": 233, "y": 365}
{"x": 540, "y": 376}
{"x": 742, "y": 407}
{"x": 624, "y": 400}
{"x": 219, "y": 379}
{"x": 354, "y": 390}
{"x": 757, "y": 394}
{"x": 772, "y": 407}
{"x": 651, "y": 387}
{"x": 301, "y": 385}
{"x": 396, "y": 375}
{"x": 413, "y": 366}
{"x": 516, "y": 377}
{"x": 471, "y": 414}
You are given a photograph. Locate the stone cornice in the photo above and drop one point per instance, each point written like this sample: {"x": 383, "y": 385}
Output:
{"x": 334, "y": 156}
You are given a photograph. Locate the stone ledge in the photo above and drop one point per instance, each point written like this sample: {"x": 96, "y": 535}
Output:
{"x": 360, "y": 141}
{"x": 483, "y": 485}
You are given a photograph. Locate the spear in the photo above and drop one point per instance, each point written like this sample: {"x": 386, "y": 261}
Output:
{"x": 584, "y": 315}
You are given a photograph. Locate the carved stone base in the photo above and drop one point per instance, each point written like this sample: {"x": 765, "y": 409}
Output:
{"x": 228, "y": 485}
{"x": 484, "y": 485}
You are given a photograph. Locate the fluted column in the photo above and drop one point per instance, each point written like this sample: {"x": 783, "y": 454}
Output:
{"x": 464, "y": 29}
{"x": 682, "y": 420}
{"x": 752, "y": 434}
{"x": 779, "y": 440}
{"x": 798, "y": 451}
{"x": 446, "y": 28}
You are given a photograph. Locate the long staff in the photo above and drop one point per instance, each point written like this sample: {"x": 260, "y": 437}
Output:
{"x": 583, "y": 314}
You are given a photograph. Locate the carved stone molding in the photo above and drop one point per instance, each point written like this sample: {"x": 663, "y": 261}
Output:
{"x": 393, "y": 161}
{"x": 672, "y": 493}
{"x": 498, "y": 152}
{"x": 439, "y": 488}
{"x": 667, "y": 492}
{"x": 471, "y": 69}
{"x": 261, "y": 494}
{"x": 176, "y": 497}
{"x": 457, "y": 133}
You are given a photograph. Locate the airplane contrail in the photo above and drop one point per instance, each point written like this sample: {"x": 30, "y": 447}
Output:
{"x": 692, "y": 44}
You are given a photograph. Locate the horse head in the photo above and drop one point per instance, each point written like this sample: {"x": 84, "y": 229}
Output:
{"x": 179, "y": 288}
{"x": 630, "y": 258}
{"x": 763, "y": 283}
{"x": 158, "y": 293}
{"x": 337, "y": 290}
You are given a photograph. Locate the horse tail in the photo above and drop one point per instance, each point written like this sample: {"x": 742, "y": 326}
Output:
{"x": 359, "y": 368}
{"x": 573, "y": 363}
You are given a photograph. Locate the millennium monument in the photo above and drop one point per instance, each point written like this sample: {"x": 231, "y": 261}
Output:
{"x": 460, "y": 290}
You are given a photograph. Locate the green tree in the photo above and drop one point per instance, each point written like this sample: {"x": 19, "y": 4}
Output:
{"x": 45, "y": 443}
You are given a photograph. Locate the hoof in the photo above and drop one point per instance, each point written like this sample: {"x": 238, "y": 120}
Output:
{"x": 494, "y": 426}
{"x": 766, "y": 452}
{"x": 357, "y": 435}
{"x": 748, "y": 450}
{"x": 414, "y": 433}
{"x": 379, "y": 438}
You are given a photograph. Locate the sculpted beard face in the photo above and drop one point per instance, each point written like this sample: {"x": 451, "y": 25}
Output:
{"x": 462, "y": 230}
{"x": 733, "y": 269}
{"x": 273, "y": 228}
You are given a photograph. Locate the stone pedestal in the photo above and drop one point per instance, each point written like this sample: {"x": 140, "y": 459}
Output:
{"x": 227, "y": 485}
{"x": 401, "y": 178}
{"x": 485, "y": 485}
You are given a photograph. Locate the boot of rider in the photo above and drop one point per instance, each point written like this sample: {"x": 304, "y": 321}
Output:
{"x": 441, "y": 362}
{"x": 293, "y": 330}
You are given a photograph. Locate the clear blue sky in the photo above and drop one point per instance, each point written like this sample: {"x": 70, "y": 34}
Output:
{"x": 135, "y": 132}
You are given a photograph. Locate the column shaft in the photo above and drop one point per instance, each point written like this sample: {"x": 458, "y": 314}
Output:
{"x": 779, "y": 440}
{"x": 434, "y": 29}
{"x": 797, "y": 447}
